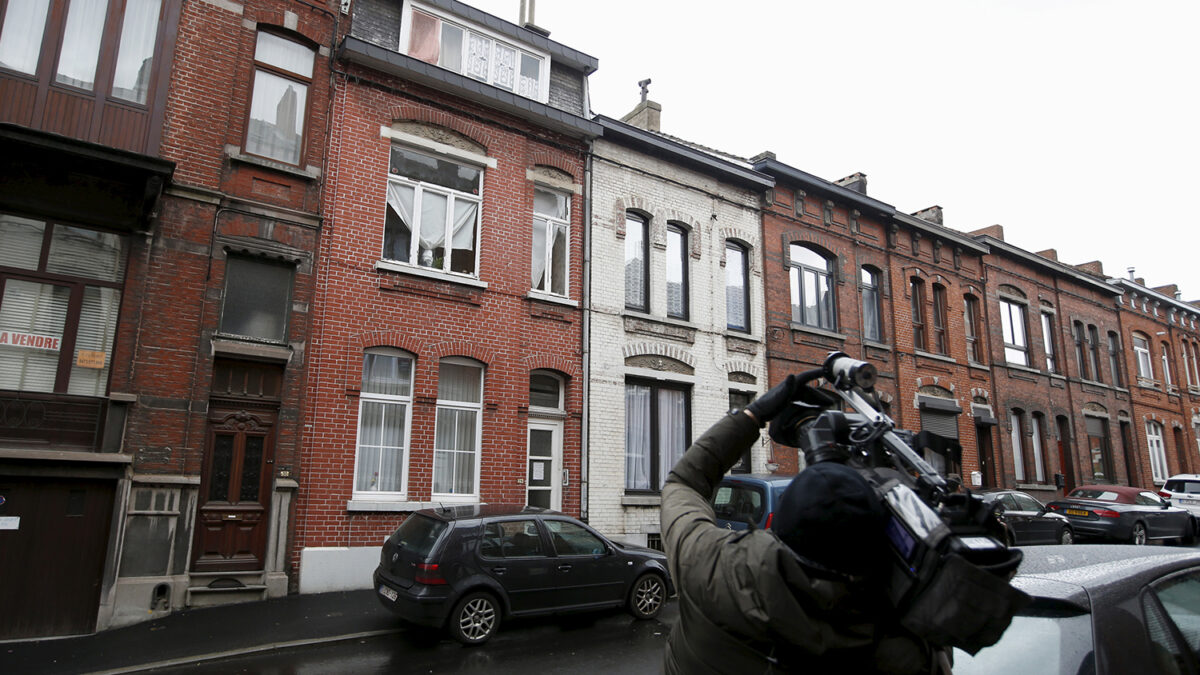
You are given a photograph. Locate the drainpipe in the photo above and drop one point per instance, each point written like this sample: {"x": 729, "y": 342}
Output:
{"x": 587, "y": 335}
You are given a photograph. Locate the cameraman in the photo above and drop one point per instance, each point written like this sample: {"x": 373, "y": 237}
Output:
{"x": 806, "y": 596}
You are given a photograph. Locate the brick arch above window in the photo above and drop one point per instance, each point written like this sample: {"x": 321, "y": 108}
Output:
{"x": 561, "y": 365}
{"x": 439, "y": 134}
{"x": 693, "y": 229}
{"x": 740, "y": 366}
{"x": 415, "y": 112}
{"x": 555, "y": 159}
{"x": 289, "y": 24}
{"x": 463, "y": 348}
{"x": 627, "y": 205}
{"x": 657, "y": 349}
{"x": 1012, "y": 291}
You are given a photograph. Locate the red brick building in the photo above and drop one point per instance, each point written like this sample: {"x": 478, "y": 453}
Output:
{"x": 1061, "y": 395}
{"x": 447, "y": 350}
{"x": 157, "y": 278}
{"x": 1161, "y": 341}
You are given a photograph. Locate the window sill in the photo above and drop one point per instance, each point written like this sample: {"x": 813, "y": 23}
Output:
{"x": 556, "y": 299}
{"x": 412, "y": 270}
{"x": 1036, "y": 486}
{"x": 253, "y": 350}
{"x": 877, "y": 345}
{"x": 934, "y": 357}
{"x": 1024, "y": 369}
{"x": 733, "y": 333}
{"x": 670, "y": 320}
{"x": 308, "y": 173}
{"x": 812, "y": 330}
{"x": 641, "y": 500}
{"x": 398, "y": 506}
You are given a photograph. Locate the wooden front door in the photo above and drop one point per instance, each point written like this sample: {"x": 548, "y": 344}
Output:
{"x": 235, "y": 490}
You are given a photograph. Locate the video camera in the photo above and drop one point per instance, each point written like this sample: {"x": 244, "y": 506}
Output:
{"x": 948, "y": 580}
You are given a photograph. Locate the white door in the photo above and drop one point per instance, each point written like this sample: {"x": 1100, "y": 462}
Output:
{"x": 544, "y": 477}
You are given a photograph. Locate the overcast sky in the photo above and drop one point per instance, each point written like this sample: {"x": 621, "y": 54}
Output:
{"x": 1072, "y": 123}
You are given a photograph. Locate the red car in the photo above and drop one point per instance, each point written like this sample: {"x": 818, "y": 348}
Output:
{"x": 1124, "y": 514}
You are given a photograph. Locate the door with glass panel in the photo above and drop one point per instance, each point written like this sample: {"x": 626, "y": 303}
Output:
{"x": 544, "y": 476}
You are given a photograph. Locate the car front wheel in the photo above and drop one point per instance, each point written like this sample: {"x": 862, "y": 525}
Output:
{"x": 1138, "y": 538}
{"x": 1067, "y": 537}
{"x": 475, "y": 618}
{"x": 647, "y": 596}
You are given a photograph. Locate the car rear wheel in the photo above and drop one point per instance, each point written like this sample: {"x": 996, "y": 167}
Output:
{"x": 475, "y": 618}
{"x": 647, "y": 596}
{"x": 1138, "y": 538}
{"x": 1067, "y": 536}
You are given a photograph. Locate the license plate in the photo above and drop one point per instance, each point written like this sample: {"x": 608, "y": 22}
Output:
{"x": 1189, "y": 502}
{"x": 388, "y": 593}
{"x": 1077, "y": 512}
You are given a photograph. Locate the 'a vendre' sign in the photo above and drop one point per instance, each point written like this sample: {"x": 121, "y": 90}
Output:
{"x": 30, "y": 341}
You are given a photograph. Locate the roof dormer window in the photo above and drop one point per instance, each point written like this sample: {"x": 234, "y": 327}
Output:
{"x": 472, "y": 52}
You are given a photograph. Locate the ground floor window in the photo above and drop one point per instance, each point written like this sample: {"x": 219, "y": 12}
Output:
{"x": 657, "y": 431}
{"x": 1158, "y": 453}
{"x": 1099, "y": 450}
{"x": 457, "y": 430}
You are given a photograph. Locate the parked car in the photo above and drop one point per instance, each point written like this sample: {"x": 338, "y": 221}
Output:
{"x": 1124, "y": 514}
{"x": 467, "y": 567}
{"x": 1101, "y": 609}
{"x": 742, "y": 499}
{"x": 1028, "y": 520}
{"x": 1183, "y": 490}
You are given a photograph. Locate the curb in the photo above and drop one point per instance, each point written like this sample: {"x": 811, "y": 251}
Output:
{"x": 258, "y": 649}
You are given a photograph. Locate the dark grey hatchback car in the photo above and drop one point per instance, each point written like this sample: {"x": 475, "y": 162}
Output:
{"x": 466, "y": 567}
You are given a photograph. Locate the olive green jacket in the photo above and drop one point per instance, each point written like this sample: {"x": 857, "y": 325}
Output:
{"x": 747, "y": 603}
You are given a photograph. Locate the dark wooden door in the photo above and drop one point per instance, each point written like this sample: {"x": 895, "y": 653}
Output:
{"x": 235, "y": 490}
{"x": 53, "y": 539}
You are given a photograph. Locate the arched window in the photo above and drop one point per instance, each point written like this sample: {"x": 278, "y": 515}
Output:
{"x": 872, "y": 317}
{"x": 637, "y": 256}
{"x": 384, "y": 423}
{"x": 1016, "y": 424}
{"x": 1114, "y": 359}
{"x": 812, "y": 288}
{"x": 1165, "y": 356}
{"x": 1012, "y": 323}
{"x": 974, "y": 328}
{"x": 677, "y": 271}
{"x": 737, "y": 287}
{"x": 545, "y": 390}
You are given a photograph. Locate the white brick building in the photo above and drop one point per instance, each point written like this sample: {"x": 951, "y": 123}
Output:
{"x": 676, "y": 311}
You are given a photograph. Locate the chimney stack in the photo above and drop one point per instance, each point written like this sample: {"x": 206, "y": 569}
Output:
{"x": 856, "y": 182}
{"x": 526, "y": 20}
{"x": 932, "y": 214}
{"x": 647, "y": 114}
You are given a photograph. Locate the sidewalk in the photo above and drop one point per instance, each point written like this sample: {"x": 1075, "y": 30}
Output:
{"x": 203, "y": 634}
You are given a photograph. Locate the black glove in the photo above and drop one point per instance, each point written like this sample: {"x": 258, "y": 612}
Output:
{"x": 794, "y": 389}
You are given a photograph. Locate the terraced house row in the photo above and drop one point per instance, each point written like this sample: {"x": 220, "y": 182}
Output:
{"x": 277, "y": 273}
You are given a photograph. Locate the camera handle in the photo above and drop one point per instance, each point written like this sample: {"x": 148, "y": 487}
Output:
{"x": 850, "y": 376}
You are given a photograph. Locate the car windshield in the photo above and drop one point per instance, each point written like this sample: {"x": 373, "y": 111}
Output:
{"x": 418, "y": 534}
{"x": 1035, "y": 642}
{"x": 1190, "y": 487}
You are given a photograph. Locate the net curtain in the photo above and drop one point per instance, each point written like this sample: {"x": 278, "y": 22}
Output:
{"x": 433, "y": 213}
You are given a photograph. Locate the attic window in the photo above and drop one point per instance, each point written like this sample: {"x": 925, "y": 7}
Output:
{"x": 472, "y": 52}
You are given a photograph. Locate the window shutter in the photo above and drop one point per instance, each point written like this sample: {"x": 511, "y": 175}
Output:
{"x": 940, "y": 423}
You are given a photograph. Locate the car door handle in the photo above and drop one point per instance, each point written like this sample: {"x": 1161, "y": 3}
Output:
{"x": 499, "y": 571}
{"x": 564, "y": 568}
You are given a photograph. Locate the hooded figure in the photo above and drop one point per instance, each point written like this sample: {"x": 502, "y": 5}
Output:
{"x": 805, "y": 596}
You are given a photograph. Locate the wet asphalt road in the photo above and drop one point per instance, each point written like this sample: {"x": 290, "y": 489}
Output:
{"x": 606, "y": 642}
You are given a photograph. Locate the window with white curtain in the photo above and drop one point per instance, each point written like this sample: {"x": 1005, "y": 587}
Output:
{"x": 58, "y": 318}
{"x": 135, "y": 53}
{"x": 1158, "y": 453}
{"x": 21, "y": 35}
{"x": 279, "y": 107}
{"x": 433, "y": 206}
{"x": 457, "y": 433}
{"x": 456, "y": 45}
{"x": 1165, "y": 357}
{"x": 657, "y": 431}
{"x": 1035, "y": 443}
{"x": 551, "y": 241}
{"x": 1012, "y": 322}
{"x": 872, "y": 326}
{"x": 384, "y": 424}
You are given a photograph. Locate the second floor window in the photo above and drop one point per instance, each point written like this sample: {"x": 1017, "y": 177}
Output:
{"x": 1048, "y": 342}
{"x": 941, "y": 344}
{"x": 974, "y": 330}
{"x": 1094, "y": 352}
{"x": 1012, "y": 322}
{"x": 812, "y": 288}
{"x": 279, "y": 107}
{"x": 433, "y": 208}
{"x": 919, "y": 327}
{"x": 1141, "y": 349}
{"x": 1114, "y": 358}
{"x": 677, "y": 271}
{"x": 637, "y": 267}
{"x": 1081, "y": 360}
{"x": 1165, "y": 356}
{"x": 872, "y": 324}
{"x": 551, "y": 241}
{"x": 737, "y": 287}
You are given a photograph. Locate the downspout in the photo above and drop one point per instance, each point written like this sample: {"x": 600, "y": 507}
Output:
{"x": 586, "y": 337}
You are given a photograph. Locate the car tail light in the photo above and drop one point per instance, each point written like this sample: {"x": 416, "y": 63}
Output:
{"x": 1164, "y": 494}
{"x": 1106, "y": 513}
{"x": 1055, "y": 507}
{"x": 770, "y": 517}
{"x": 429, "y": 574}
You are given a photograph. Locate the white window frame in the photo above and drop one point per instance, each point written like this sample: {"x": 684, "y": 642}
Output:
{"x": 548, "y": 223}
{"x": 406, "y": 451}
{"x": 1048, "y": 342}
{"x": 1165, "y": 357}
{"x": 420, "y": 188}
{"x": 1157, "y": 451}
{"x": 1145, "y": 364}
{"x": 543, "y": 93}
{"x": 1014, "y": 344}
{"x": 1014, "y": 425}
{"x": 1039, "y": 462}
{"x": 800, "y": 273}
{"x": 301, "y": 80}
{"x": 555, "y": 427}
{"x": 444, "y": 404}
